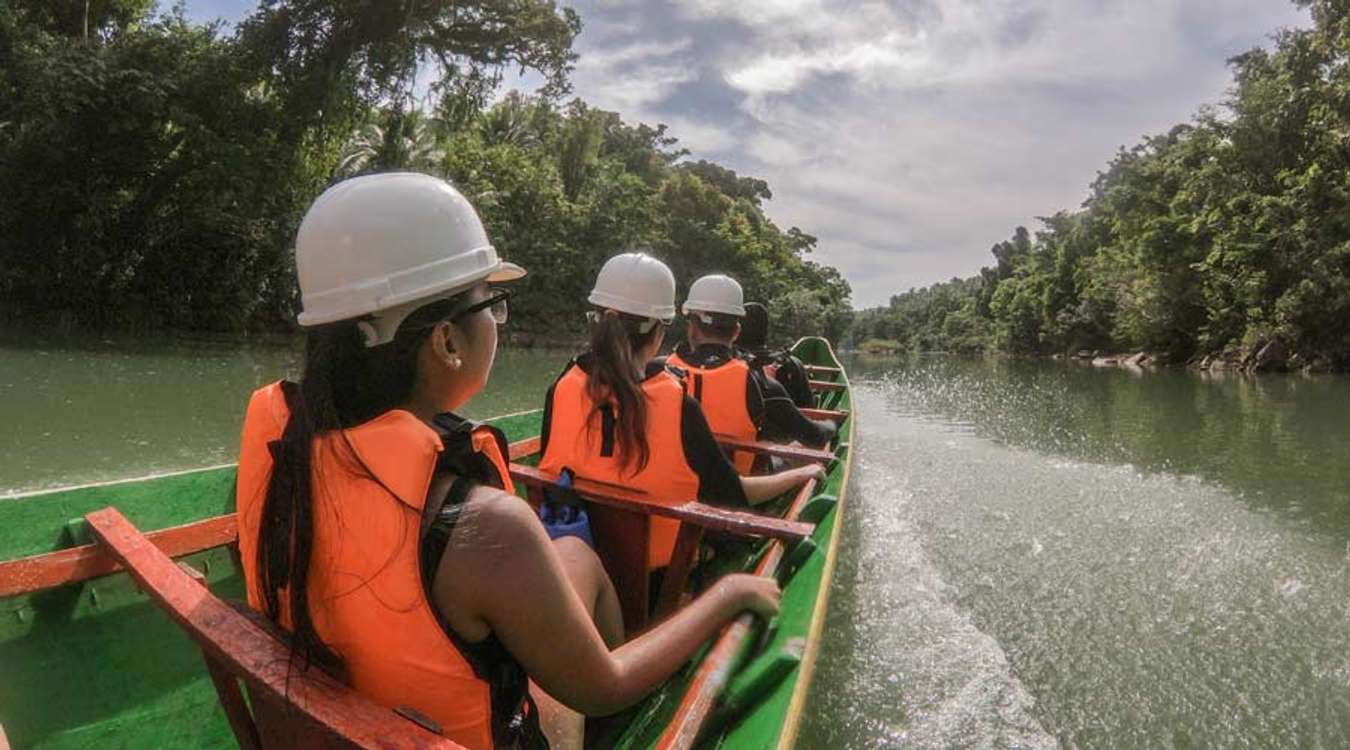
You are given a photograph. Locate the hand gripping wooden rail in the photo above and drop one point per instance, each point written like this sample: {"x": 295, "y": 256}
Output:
{"x": 621, "y": 520}
{"x": 530, "y": 446}
{"x": 291, "y": 707}
{"x": 796, "y": 452}
{"x": 715, "y": 669}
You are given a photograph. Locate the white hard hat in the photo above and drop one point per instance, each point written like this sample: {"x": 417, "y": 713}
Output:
{"x": 716, "y": 294}
{"x": 637, "y": 284}
{"x": 383, "y": 245}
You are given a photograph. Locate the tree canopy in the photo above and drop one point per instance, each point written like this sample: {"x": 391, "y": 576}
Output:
{"x": 1222, "y": 234}
{"x": 155, "y": 170}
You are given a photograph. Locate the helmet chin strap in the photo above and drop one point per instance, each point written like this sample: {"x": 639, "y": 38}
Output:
{"x": 369, "y": 333}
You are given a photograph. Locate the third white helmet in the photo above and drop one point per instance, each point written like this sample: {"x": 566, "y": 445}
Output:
{"x": 716, "y": 293}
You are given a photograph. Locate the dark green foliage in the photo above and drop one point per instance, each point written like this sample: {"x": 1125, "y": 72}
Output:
{"x": 564, "y": 188}
{"x": 1216, "y": 237}
{"x": 153, "y": 172}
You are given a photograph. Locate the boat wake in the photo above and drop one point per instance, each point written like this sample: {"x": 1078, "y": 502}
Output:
{"x": 1139, "y": 608}
{"x": 904, "y": 665}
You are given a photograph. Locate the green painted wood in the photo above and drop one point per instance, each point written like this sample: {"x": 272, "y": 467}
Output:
{"x": 97, "y": 664}
{"x": 759, "y": 726}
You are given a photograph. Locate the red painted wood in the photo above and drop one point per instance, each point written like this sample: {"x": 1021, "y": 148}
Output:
{"x": 682, "y": 562}
{"x": 322, "y": 712}
{"x": 823, "y": 385}
{"x": 830, "y": 414}
{"x": 795, "y": 452}
{"x": 716, "y": 668}
{"x": 27, "y": 574}
{"x": 522, "y": 448}
{"x": 707, "y": 516}
{"x": 621, "y": 539}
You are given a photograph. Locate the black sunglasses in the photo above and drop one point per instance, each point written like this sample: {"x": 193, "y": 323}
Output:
{"x": 498, "y": 301}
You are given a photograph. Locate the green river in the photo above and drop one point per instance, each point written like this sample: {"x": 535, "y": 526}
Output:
{"x": 1036, "y": 554}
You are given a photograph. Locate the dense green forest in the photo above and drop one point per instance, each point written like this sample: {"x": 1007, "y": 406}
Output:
{"x": 153, "y": 170}
{"x": 1217, "y": 238}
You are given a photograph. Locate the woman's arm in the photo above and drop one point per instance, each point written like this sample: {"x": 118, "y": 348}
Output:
{"x": 718, "y": 481}
{"x": 767, "y": 487}
{"x": 501, "y": 575}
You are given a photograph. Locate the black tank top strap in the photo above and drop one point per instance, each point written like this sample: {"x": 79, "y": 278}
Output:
{"x": 515, "y": 718}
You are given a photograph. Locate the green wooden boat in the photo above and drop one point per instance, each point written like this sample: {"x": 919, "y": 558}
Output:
{"x": 87, "y": 660}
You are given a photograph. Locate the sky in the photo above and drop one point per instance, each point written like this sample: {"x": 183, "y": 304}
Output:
{"x": 908, "y": 135}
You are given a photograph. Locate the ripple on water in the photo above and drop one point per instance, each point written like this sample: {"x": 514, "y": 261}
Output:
{"x": 1139, "y": 609}
{"x": 904, "y": 666}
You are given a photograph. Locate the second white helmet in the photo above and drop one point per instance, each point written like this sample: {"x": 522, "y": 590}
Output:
{"x": 716, "y": 293}
{"x": 637, "y": 284}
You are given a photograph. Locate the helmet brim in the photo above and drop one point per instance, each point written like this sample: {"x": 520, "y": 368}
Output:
{"x": 506, "y": 271}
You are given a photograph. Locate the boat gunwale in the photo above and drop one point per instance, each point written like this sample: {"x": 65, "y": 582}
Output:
{"x": 787, "y": 736}
{"x": 6, "y": 496}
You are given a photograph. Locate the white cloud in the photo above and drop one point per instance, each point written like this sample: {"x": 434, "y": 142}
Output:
{"x": 632, "y": 77}
{"x": 910, "y": 137}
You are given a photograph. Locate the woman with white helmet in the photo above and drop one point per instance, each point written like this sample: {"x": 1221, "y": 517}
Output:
{"x": 378, "y": 528}
{"x": 617, "y": 415}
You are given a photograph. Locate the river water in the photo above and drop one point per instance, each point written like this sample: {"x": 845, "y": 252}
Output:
{"x": 1045, "y": 554}
{"x": 1035, "y": 555}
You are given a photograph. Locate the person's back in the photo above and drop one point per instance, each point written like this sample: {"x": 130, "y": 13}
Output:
{"x": 378, "y": 528}
{"x": 617, "y": 416}
{"x": 365, "y": 590}
{"x": 580, "y": 435}
{"x": 738, "y": 398}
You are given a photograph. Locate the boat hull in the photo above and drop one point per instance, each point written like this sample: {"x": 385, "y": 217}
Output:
{"x": 95, "y": 663}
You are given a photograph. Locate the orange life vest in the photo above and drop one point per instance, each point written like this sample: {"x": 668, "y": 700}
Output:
{"x": 365, "y": 588}
{"x": 581, "y": 438}
{"x": 721, "y": 392}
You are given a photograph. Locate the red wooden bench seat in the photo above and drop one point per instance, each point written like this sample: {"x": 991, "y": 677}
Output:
{"x": 291, "y": 708}
{"x": 825, "y": 385}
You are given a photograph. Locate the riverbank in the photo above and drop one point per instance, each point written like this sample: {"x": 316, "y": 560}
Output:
{"x": 1269, "y": 357}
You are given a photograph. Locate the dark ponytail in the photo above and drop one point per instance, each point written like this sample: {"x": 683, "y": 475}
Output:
{"x": 617, "y": 377}
{"x": 344, "y": 384}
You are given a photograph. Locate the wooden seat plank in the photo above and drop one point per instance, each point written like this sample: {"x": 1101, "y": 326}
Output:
{"x": 825, "y": 385}
{"x": 822, "y": 370}
{"x": 707, "y": 516}
{"x": 826, "y": 414}
{"x": 51, "y": 569}
{"x": 716, "y": 668}
{"x": 522, "y": 448}
{"x": 318, "y": 710}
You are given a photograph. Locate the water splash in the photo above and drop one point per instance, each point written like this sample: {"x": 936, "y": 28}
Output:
{"x": 1021, "y": 598}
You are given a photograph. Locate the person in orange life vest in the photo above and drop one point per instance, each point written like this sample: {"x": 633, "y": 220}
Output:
{"x": 615, "y": 415}
{"x": 739, "y": 400}
{"x": 378, "y": 528}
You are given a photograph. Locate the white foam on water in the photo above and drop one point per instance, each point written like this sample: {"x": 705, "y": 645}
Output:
{"x": 1003, "y": 598}
{"x": 922, "y": 675}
